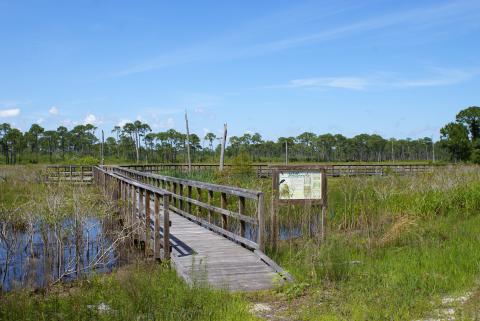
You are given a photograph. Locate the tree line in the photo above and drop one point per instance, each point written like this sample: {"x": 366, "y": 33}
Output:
{"x": 461, "y": 138}
{"x": 136, "y": 142}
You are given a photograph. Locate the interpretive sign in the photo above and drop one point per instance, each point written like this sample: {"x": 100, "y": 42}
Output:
{"x": 304, "y": 185}
{"x": 298, "y": 185}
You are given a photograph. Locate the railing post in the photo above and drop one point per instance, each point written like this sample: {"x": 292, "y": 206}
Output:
{"x": 261, "y": 222}
{"x": 141, "y": 205}
{"x": 274, "y": 210}
{"x": 147, "y": 222}
{"x": 189, "y": 195}
{"x": 134, "y": 207}
{"x": 241, "y": 211}
{"x": 210, "y": 202}
{"x": 127, "y": 204}
{"x": 156, "y": 236}
{"x": 124, "y": 201}
{"x": 174, "y": 193}
{"x": 199, "y": 198}
{"x": 180, "y": 192}
{"x": 166, "y": 228}
{"x": 223, "y": 204}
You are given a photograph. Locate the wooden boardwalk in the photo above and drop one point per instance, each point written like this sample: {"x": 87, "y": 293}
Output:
{"x": 200, "y": 255}
{"x": 333, "y": 170}
{"x": 228, "y": 257}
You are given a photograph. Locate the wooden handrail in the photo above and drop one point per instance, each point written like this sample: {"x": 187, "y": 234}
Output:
{"x": 179, "y": 200}
{"x": 251, "y": 194}
{"x": 126, "y": 190}
{"x": 264, "y": 170}
{"x": 71, "y": 173}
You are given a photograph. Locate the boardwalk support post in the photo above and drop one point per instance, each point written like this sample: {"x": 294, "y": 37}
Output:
{"x": 166, "y": 228}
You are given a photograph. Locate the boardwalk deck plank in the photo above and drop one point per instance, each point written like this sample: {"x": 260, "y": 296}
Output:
{"x": 200, "y": 255}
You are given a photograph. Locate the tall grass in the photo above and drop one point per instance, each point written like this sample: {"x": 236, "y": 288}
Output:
{"x": 141, "y": 292}
{"x": 396, "y": 244}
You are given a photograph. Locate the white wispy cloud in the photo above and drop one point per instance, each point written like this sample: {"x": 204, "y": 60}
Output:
{"x": 7, "y": 113}
{"x": 53, "y": 111}
{"x": 92, "y": 119}
{"x": 443, "y": 77}
{"x": 122, "y": 122}
{"x": 160, "y": 124}
{"x": 355, "y": 83}
{"x": 234, "y": 46}
{"x": 382, "y": 80}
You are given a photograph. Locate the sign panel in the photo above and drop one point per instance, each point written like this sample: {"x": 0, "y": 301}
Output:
{"x": 299, "y": 185}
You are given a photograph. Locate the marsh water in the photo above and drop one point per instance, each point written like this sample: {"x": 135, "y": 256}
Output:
{"x": 42, "y": 255}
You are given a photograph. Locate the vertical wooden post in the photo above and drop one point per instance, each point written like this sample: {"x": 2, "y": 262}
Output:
{"x": 223, "y": 204}
{"x": 241, "y": 211}
{"x": 323, "y": 230}
{"x": 222, "y": 150}
{"x": 81, "y": 174}
{"x": 174, "y": 193}
{"x": 180, "y": 192}
{"x": 166, "y": 228}
{"x": 127, "y": 205}
{"x": 147, "y": 222}
{"x": 199, "y": 198}
{"x": 156, "y": 235}
{"x": 121, "y": 204}
{"x": 261, "y": 222}
{"x": 189, "y": 195}
{"x": 188, "y": 144}
{"x": 274, "y": 210}
{"x": 104, "y": 183}
{"x": 141, "y": 205}
{"x": 134, "y": 207}
{"x": 118, "y": 188}
{"x": 210, "y": 202}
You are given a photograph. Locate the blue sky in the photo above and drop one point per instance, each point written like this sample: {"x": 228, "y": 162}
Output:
{"x": 395, "y": 68}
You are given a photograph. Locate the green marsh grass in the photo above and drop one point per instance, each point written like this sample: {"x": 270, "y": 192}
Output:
{"x": 139, "y": 292}
{"x": 396, "y": 244}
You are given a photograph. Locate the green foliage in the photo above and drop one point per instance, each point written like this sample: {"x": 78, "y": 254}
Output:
{"x": 396, "y": 245}
{"x": 242, "y": 165}
{"x": 462, "y": 138}
{"x": 138, "y": 293}
{"x": 475, "y": 156}
{"x": 470, "y": 117}
{"x": 455, "y": 140}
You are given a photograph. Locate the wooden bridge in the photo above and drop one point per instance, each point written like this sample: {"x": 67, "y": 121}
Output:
{"x": 69, "y": 173}
{"x": 84, "y": 173}
{"x": 210, "y": 233}
{"x": 265, "y": 171}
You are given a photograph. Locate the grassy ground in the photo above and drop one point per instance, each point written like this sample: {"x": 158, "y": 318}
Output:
{"x": 135, "y": 292}
{"x": 398, "y": 248}
{"x": 139, "y": 292}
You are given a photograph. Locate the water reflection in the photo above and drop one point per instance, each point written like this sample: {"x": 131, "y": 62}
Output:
{"x": 45, "y": 254}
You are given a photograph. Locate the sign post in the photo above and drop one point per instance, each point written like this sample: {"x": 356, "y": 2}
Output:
{"x": 299, "y": 185}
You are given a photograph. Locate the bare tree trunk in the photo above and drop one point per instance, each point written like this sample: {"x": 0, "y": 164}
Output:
{"x": 188, "y": 145}
{"x": 222, "y": 151}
